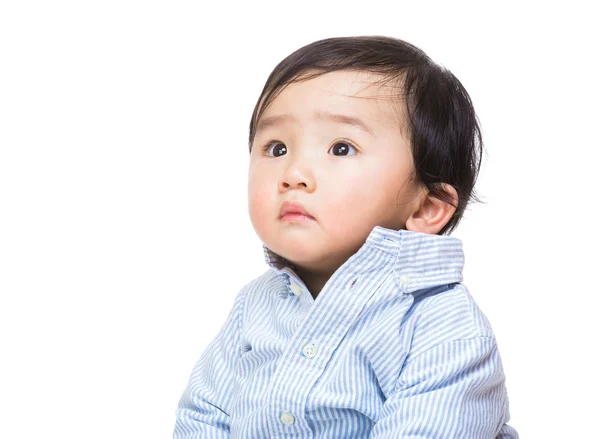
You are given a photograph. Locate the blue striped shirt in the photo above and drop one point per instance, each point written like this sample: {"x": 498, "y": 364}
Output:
{"x": 393, "y": 346}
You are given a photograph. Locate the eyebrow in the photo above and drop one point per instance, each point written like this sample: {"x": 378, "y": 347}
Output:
{"x": 271, "y": 121}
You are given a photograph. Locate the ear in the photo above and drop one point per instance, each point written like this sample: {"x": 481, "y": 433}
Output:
{"x": 432, "y": 214}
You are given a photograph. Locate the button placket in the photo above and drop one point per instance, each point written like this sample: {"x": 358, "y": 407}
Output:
{"x": 296, "y": 289}
{"x": 309, "y": 350}
{"x": 405, "y": 279}
{"x": 287, "y": 418}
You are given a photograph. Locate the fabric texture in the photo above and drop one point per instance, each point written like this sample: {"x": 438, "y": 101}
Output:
{"x": 394, "y": 346}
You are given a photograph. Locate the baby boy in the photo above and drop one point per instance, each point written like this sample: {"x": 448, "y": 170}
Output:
{"x": 363, "y": 156}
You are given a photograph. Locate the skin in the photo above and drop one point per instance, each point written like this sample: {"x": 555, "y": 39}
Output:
{"x": 348, "y": 180}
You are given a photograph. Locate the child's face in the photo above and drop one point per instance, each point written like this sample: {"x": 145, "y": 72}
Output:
{"x": 349, "y": 180}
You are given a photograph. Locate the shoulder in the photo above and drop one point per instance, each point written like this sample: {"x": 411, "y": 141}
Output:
{"x": 445, "y": 317}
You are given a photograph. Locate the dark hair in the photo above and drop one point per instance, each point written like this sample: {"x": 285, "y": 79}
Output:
{"x": 443, "y": 128}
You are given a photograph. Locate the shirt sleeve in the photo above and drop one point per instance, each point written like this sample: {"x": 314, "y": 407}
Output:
{"x": 205, "y": 406}
{"x": 453, "y": 390}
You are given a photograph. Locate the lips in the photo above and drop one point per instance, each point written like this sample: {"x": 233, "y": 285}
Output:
{"x": 293, "y": 207}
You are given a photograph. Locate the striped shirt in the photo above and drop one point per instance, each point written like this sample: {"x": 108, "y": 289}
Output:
{"x": 393, "y": 346}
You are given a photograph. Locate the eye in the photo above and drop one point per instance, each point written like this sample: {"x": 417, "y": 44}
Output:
{"x": 342, "y": 148}
{"x": 267, "y": 147}
{"x": 339, "y": 148}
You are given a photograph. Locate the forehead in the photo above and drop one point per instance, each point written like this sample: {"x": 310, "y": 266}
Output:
{"x": 362, "y": 96}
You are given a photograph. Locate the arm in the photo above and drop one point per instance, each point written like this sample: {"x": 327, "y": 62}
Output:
{"x": 453, "y": 390}
{"x": 204, "y": 408}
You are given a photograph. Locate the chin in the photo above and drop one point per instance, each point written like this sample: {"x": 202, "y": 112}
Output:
{"x": 294, "y": 253}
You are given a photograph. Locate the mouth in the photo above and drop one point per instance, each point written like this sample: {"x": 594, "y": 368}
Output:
{"x": 296, "y": 217}
{"x": 294, "y": 211}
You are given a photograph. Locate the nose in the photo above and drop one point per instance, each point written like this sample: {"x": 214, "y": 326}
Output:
{"x": 296, "y": 177}
{"x": 293, "y": 182}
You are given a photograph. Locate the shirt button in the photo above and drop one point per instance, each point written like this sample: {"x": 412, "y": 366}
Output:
{"x": 309, "y": 350}
{"x": 287, "y": 418}
{"x": 405, "y": 279}
{"x": 296, "y": 288}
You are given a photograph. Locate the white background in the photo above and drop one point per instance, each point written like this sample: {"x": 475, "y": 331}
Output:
{"x": 124, "y": 228}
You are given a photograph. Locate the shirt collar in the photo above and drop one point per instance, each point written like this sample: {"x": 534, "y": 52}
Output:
{"x": 421, "y": 260}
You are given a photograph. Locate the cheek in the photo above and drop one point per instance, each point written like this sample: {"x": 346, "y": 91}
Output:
{"x": 366, "y": 197}
{"x": 260, "y": 200}
{"x": 346, "y": 209}
{"x": 360, "y": 189}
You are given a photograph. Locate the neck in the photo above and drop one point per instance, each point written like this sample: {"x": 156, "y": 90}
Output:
{"x": 314, "y": 281}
